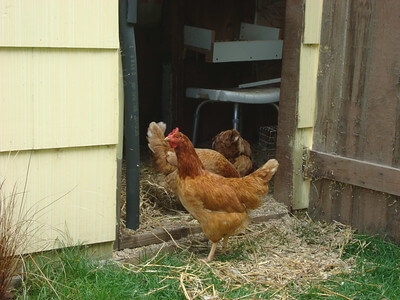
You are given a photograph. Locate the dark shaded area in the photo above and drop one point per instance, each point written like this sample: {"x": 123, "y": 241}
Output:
{"x": 166, "y": 68}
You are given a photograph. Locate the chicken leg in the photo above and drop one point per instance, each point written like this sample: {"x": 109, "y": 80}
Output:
{"x": 225, "y": 243}
{"x": 212, "y": 252}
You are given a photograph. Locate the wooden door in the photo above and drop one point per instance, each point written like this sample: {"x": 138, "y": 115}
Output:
{"x": 355, "y": 158}
{"x": 339, "y": 153}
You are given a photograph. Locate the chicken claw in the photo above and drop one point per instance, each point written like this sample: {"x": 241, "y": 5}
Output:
{"x": 212, "y": 252}
{"x": 225, "y": 244}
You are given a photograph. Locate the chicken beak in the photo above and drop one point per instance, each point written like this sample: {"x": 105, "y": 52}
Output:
{"x": 167, "y": 139}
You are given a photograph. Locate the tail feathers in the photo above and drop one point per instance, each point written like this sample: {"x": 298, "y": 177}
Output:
{"x": 155, "y": 135}
{"x": 257, "y": 184}
{"x": 266, "y": 171}
{"x": 159, "y": 147}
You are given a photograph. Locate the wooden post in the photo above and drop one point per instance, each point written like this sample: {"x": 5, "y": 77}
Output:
{"x": 298, "y": 99}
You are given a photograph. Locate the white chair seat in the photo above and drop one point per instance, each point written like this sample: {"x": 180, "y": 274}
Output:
{"x": 236, "y": 96}
{"x": 250, "y": 96}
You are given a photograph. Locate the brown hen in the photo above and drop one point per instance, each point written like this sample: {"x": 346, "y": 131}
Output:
{"x": 164, "y": 158}
{"x": 219, "y": 204}
{"x": 236, "y": 149}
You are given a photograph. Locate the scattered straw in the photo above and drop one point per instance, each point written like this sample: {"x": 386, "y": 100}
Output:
{"x": 182, "y": 285}
{"x": 269, "y": 257}
{"x": 159, "y": 208}
{"x": 272, "y": 256}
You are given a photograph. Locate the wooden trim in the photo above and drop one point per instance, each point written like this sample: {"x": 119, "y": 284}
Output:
{"x": 157, "y": 236}
{"x": 287, "y": 123}
{"x": 352, "y": 171}
{"x": 309, "y": 58}
{"x": 163, "y": 235}
{"x": 136, "y": 257}
{"x": 313, "y": 17}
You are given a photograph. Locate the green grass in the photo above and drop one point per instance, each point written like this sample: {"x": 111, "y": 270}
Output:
{"x": 72, "y": 274}
{"x": 376, "y": 275}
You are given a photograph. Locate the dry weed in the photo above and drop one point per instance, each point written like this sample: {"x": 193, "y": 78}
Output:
{"x": 14, "y": 235}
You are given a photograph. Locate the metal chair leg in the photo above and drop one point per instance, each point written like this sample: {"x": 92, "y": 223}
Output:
{"x": 276, "y": 106}
{"x": 235, "y": 120}
{"x": 196, "y": 120}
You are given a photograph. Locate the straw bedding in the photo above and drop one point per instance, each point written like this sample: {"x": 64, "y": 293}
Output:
{"x": 273, "y": 255}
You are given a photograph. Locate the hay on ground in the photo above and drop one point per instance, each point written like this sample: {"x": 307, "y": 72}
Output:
{"x": 273, "y": 256}
{"x": 277, "y": 256}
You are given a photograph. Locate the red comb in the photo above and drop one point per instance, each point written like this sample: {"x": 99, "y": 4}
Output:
{"x": 173, "y": 131}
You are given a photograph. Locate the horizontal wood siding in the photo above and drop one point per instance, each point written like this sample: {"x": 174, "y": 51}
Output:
{"x": 59, "y": 105}
{"x": 53, "y": 98}
{"x": 359, "y": 109}
{"x": 70, "y": 193}
{"x": 59, "y": 23}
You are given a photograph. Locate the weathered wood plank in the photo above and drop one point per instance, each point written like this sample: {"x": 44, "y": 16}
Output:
{"x": 163, "y": 235}
{"x": 287, "y": 123}
{"x": 358, "y": 112}
{"x": 135, "y": 258}
{"x": 356, "y": 172}
{"x": 342, "y": 75}
{"x": 378, "y": 122}
{"x": 375, "y": 132}
{"x": 157, "y": 237}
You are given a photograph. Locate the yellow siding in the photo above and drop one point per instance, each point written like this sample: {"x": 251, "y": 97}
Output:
{"x": 71, "y": 190}
{"x": 59, "y": 23}
{"x": 312, "y": 24}
{"x": 309, "y": 58}
{"x": 303, "y": 140}
{"x": 52, "y": 98}
{"x": 59, "y": 95}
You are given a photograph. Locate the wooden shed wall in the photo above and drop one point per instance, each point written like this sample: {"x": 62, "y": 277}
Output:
{"x": 59, "y": 96}
{"x": 359, "y": 114}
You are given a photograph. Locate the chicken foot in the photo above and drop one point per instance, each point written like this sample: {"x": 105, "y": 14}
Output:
{"x": 212, "y": 252}
{"x": 214, "y": 248}
{"x": 225, "y": 243}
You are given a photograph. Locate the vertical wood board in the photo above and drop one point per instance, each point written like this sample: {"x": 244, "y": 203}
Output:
{"x": 287, "y": 123}
{"x": 382, "y": 90}
{"x": 358, "y": 110}
{"x": 305, "y": 113}
{"x": 329, "y": 130}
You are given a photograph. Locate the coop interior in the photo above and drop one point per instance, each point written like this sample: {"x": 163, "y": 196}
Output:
{"x": 183, "y": 47}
